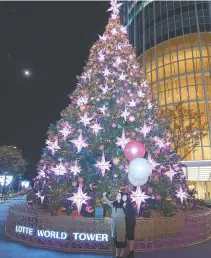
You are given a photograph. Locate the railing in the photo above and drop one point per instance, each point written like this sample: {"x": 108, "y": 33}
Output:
{"x": 151, "y": 234}
{"x": 4, "y": 197}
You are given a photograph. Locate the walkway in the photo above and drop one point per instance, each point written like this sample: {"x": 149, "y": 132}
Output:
{"x": 9, "y": 249}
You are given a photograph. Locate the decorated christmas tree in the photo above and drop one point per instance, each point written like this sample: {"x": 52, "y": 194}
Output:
{"x": 110, "y": 135}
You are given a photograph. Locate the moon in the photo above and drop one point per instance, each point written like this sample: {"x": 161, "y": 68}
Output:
{"x": 27, "y": 73}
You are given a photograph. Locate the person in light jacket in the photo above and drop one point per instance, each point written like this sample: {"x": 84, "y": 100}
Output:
{"x": 118, "y": 223}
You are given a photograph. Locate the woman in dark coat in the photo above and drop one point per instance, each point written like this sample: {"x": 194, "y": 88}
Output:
{"x": 130, "y": 217}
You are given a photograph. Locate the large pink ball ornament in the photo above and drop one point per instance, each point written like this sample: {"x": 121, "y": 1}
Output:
{"x": 135, "y": 182}
{"x": 134, "y": 149}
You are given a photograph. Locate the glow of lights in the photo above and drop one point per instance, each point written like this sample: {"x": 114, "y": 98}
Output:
{"x": 79, "y": 198}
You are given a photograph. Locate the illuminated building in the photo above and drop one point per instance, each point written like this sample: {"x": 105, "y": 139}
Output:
{"x": 173, "y": 42}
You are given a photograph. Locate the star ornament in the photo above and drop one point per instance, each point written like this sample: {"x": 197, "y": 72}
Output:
{"x": 150, "y": 105}
{"x": 41, "y": 173}
{"x": 104, "y": 89}
{"x": 66, "y": 131}
{"x": 139, "y": 197}
{"x": 122, "y": 77}
{"x": 79, "y": 198}
{"x": 114, "y": 7}
{"x": 82, "y": 101}
{"x": 101, "y": 57}
{"x": 103, "y": 165}
{"x": 103, "y": 109}
{"x": 122, "y": 141}
{"x": 103, "y": 38}
{"x": 59, "y": 170}
{"x": 96, "y": 128}
{"x": 171, "y": 173}
{"x": 125, "y": 114}
{"x": 75, "y": 169}
{"x": 79, "y": 143}
{"x": 106, "y": 72}
{"x": 141, "y": 94}
{"x": 85, "y": 119}
{"x": 145, "y": 130}
{"x": 114, "y": 31}
{"x": 132, "y": 103}
{"x": 53, "y": 145}
{"x": 123, "y": 29}
{"x": 153, "y": 163}
{"x": 181, "y": 195}
{"x": 118, "y": 60}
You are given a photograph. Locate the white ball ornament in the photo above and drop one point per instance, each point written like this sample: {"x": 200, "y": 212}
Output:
{"x": 135, "y": 182}
{"x": 140, "y": 169}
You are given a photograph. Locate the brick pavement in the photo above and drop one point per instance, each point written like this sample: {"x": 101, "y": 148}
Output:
{"x": 9, "y": 249}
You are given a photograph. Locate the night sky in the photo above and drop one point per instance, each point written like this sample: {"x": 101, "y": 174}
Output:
{"x": 53, "y": 40}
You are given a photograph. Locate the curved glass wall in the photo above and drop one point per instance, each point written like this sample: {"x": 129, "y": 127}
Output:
{"x": 179, "y": 70}
{"x": 173, "y": 42}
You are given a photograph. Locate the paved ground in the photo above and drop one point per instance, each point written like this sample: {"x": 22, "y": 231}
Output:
{"x": 10, "y": 249}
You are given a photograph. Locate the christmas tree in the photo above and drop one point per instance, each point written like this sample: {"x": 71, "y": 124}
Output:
{"x": 111, "y": 108}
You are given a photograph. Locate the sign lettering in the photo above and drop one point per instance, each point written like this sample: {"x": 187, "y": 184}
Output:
{"x": 61, "y": 235}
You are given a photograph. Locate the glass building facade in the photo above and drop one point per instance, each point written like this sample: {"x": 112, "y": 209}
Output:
{"x": 173, "y": 42}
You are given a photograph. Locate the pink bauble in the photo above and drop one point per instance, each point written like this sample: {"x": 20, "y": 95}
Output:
{"x": 126, "y": 84}
{"x": 158, "y": 197}
{"x": 66, "y": 164}
{"x": 62, "y": 124}
{"x": 132, "y": 119}
{"x": 132, "y": 134}
{"x": 74, "y": 183}
{"x": 121, "y": 167}
{"x": 122, "y": 99}
{"x": 42, "y": 161}
{"x": 134, "y": 149}
{"x": 113, "y": 125}
{"x": 101, "y": 147}
{"x": 150, "y": 189}
{"x": 80, "y": 180}
{"x": 82, "y": 108}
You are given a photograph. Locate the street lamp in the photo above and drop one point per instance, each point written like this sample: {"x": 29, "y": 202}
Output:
{"x": 25, "y": 184}
{"x": 5, "y": 180}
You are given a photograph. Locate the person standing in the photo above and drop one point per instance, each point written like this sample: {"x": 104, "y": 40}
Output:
{"x": 130, "y": 224}
{"x": 118, "y": 223}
